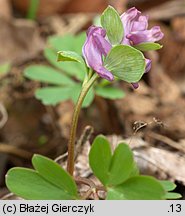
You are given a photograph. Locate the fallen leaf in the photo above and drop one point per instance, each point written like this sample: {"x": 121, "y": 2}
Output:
{"x": 19, "y": 40}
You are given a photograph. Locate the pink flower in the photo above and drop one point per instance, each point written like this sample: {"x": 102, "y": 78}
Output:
{"x": 136, "y": 28}
{"x": 95, "y": 47}
{"x": 136, "y": 31}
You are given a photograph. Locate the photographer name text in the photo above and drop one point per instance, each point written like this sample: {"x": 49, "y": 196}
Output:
{"x": 54, "y": 208}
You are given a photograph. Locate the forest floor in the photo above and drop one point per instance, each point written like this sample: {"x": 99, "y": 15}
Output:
{"x": 151, "y": 119}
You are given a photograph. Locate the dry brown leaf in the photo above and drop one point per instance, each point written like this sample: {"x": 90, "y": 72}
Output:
{"x": 178, "y": 25}
{"x": 166, "y": 88}
{"x": 19, "y": 40}
{"x": 154, "y": 161}
{"x": 165, "y": 163}
{"x": 65, "y": 112}
{"x": 173, "y": 52}
{"x": 138, "y": 104}
{"x": 167, "y": 10}
{"x": 85, "y": 6}
{"x": 46, "y": 7}
{"x": 5, "y": 9}
{"x": 75, "y": 22}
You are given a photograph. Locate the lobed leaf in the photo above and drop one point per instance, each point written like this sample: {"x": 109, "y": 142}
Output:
{"x": 53, "y": 95}
{"x": 28, "y": 184}
{"x": 67, "y": 42}
{"x": 100, "y": 158}
{"x": 168, "y": 185}
{"x": 55, "y": 174}
{"x": 109, "y": 92}
{"x": 111, "y": 170}
{"x": 47, "y": 74}
{"x": 57, "y": 42}
{"x": 122, "y": 164}
{"x": 70, "y": 68}
{"x": 172, "y": 196}
{"x": 137, "y": 188}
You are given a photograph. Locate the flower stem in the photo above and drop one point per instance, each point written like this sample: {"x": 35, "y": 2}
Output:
{"x": 71, "y": 143}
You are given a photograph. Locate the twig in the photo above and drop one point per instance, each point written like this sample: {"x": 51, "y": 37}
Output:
{"x": 85, "y": 181}
{"x": 93, "y": 188}
{"x": 87, "y": 194}
{"x": 96, "y": 197}
{"x": 166, "y": 140}
{"x": 9, "y": 149}
{"x": 7, "y": 196}
{"x": 61, "y": 157}
{"x": 86, "y": 135}
{"x": 149, "y": 160}
{"x": 4, "y": 114}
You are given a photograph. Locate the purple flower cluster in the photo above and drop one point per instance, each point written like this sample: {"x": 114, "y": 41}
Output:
{"x": 135, "y": 32}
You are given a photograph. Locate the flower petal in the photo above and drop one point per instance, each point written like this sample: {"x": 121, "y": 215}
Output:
{"x": 127, "y": 19}
{"x": 148, "y": 65}
{"x": 141, "y": 24}
{"x": 135, "y": 85}
{"x": 94, "y": 29}
{"x": 104, "y": 73}
{"x": 151, "y": 35}
{"x": 93, "y": 50}
{"x": 103, "y": 45}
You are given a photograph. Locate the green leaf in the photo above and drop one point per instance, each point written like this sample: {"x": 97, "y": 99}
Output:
{"x": 79, "y": 42}
{"x": 4, "y": 68}
{"x": 172, "y": 196}
{"x": 126, "y": 63}
{"x": 135, "y": 170}
{"x": 168, "y": 185}
{"x": 28, "y": 184}
{"x": 55, "y": 174}
{"x": 70, "y": 56}
{"x": 137, "y": 188}
{"x": 109, "y": 92}
{"x": 76, "y": 92}
{"x": 46, "y": 74}
{"x": 111, "y": 22}
{"x": 148, "y": 46}
{"x": 71, "y": 68}
{"x": 53, "y": 95}
{"x": 58, "y": 43}
{"x": 67, "y": 42}
{"x": 121, "y": 166}
{"x": 100, "y": 158}
{"x": 104, "y": 83}
{"x": 97, "y": 20}
{"x": 33, "y": 9}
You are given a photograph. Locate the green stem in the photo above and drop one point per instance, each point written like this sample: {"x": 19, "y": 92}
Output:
{"x": 71, "y": 143}
{"x": 33, "y": 8}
